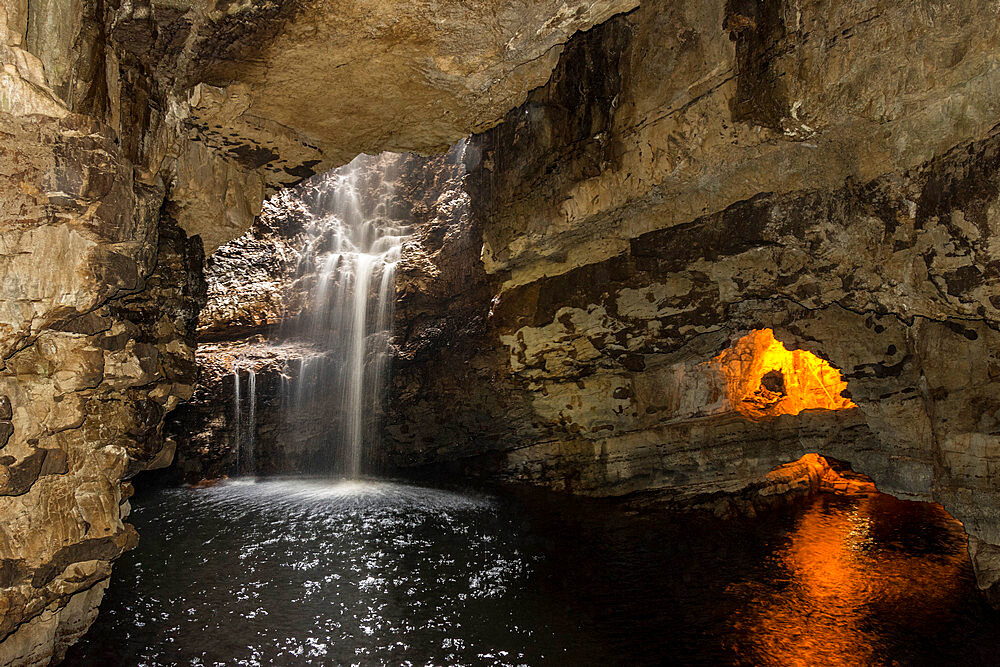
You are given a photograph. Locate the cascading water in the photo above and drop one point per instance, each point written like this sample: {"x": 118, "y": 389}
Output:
{"x": 250, "y": 432}
{"x": 347, "y": 270}
{"x": 237, "y": 416}
{"x": 245, "y": 421}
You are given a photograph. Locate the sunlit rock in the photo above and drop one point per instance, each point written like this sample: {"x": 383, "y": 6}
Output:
{"x": 765, "y": 379}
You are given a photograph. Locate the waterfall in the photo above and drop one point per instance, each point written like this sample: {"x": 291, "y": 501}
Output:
{"x": 250, "y": 431}
{"x": 347, "y": 273}
{"x": 237, "y": 415}
{"x": 245, "y": 421}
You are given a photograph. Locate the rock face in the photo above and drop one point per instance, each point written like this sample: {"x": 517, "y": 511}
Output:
{"x": 101, "y": 301}
{"x": 697, "y": 172}
{"x": 268, "y": 92}
{"x": 224, "y": 430}
{"x": 129, "y": 127}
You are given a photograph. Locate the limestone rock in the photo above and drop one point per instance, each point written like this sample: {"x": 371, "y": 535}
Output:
{"x": 986, "y": 561}
{"x": 693, "y": 174}
{"x": 125, "y": 125}
{"x": 210, "y": 189}
{"x": 267, "y": 94}
{"x": 77, "y": 231}
{"x": 402, "y": 76}
{"x": 668, "y": 115}
{"x": 87, "y": 407}
{"x": 99, "y": 304}
{"x": 213, "y": 433}
{"x": 250, "y": 277}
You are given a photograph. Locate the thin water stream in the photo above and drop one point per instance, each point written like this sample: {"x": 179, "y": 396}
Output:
{"x": 244, "y": 418}
{"x": 295, "y": 572}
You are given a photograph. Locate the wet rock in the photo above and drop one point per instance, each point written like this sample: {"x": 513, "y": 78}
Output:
{"x": 211, "y": 435}
{"x": 693, "y": 172}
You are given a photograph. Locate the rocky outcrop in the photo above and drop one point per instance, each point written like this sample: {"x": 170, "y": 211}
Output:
{"x": 695, "y": 173}
{"x": 685, "y": 126}
{"x": 97, "y": 315}
{"x": 101, "y": 303}
{"x": 404, "y": 76}
{"x": 249, "y": 277}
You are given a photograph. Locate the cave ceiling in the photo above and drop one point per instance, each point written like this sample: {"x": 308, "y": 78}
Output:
{"x": 295, "y": 87}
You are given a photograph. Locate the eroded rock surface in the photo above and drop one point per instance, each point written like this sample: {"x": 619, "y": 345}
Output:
{"x": 367, "y": 77}
{"x": 125, "y": 125}
{"x": 224, "y": 431}
{"x": 695, "y": 172}
{"x": 86, "y": 393}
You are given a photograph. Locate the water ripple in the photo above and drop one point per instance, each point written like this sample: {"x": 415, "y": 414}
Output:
{"x": 290, "y": 572}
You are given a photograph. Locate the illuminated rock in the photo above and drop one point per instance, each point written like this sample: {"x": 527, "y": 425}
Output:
{"x": 764, "y": 379}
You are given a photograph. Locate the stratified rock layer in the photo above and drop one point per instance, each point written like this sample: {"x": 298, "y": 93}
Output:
{"x": 269, "y": 92}
{"x": 695, "y": 172}
{"x": 125, "y": 125}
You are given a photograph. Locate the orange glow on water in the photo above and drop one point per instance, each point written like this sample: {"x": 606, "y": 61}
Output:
{"x": 764, "y": 379}
{"x": 834, "y": 580}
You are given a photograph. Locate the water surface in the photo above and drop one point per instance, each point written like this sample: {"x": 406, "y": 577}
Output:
{"x": 292, "y": 572}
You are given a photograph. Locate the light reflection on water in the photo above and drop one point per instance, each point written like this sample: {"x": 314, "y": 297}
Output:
{"x": 840, "y": 580}
{"x": 293, "y": 572}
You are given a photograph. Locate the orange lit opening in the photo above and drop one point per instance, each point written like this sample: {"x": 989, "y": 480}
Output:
{"x": 763, "y": 379}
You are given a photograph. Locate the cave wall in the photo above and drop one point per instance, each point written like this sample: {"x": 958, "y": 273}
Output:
{"x": 822, "y": 168}
{"x": 696, "y": 171}
{"x": 101, "y": 299}
{"x": 100, "y": 296}
{"x": 136, "y": 136}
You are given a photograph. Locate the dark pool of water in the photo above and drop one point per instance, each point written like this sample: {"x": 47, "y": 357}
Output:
{"x": 313, "y": 572}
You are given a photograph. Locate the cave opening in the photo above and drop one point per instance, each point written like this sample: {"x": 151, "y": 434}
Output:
{"x": 766, "y": 379}
{"x": 301, "y": 324}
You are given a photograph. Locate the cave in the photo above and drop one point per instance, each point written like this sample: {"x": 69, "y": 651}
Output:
{"x": 765, "y": 379}
{"x": 621, "y": 332}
